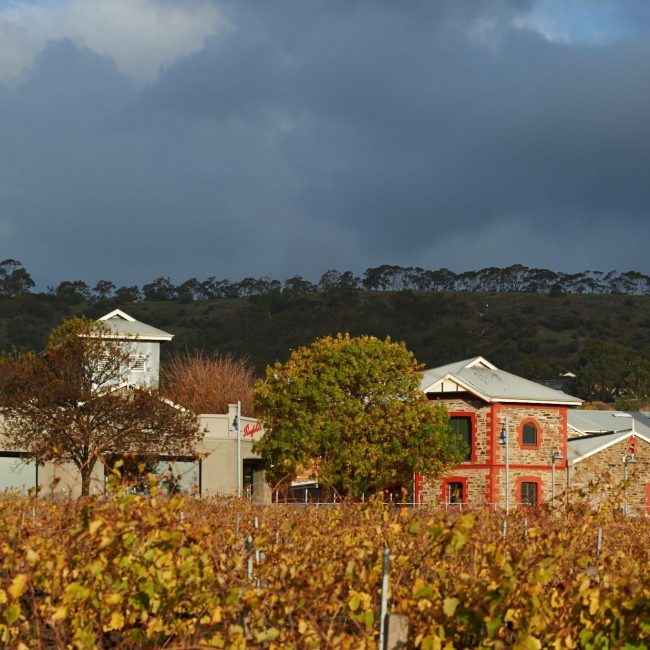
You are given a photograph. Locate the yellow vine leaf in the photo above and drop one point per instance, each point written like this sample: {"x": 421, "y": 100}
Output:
{"x": 449, "y": 606}
{"x": 94, "y": 526}
{"x": 113, "y": 599}
{"x": 116, "y": 622}
{"x": 18, "y": 585}
{"x": 59, "y": 614}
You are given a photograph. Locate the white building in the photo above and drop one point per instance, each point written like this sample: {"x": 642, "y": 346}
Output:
{"x": 213, "y": 471}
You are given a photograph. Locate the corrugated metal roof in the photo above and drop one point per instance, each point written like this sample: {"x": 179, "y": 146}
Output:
{"x": 580, "y": 448}
{"x": 482, "y": 378}
{"x": 585, "y": 422}
{"x": 125, "y": 326}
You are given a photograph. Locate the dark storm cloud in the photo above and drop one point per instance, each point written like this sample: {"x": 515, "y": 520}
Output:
{"x": 315, "y": 135}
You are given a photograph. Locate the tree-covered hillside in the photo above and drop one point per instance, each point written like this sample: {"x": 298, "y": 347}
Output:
{"x": 534, "y": 322}
{"x": 603, "y": 338}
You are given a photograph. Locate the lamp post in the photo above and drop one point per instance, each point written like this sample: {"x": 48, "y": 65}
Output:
{"x": 236, "y": 428}
{"x": 628, "y": 457}
{"x": 503, "y": 442}
{"x": 555, "y": 456}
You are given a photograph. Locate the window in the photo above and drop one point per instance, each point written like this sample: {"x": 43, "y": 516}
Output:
{"x": 529, "y": 434}
{"x": 174, "y": 475}
{"x": 137, "y": 362}
{"x": 17, "y": 473}
{"x": 103, "y": 362}
{"x": 177, "y": 476}
{"x": 529, "y": 493}
{"x": 455, "y": 494}
{"x": 253, "y": 477}
{"x": 462, "y": 427}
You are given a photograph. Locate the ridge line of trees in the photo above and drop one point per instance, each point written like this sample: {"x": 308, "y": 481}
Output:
{"x": 15, "y": 280}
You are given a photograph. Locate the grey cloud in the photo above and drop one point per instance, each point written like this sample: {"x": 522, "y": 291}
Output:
{"x": 315, "y": 135}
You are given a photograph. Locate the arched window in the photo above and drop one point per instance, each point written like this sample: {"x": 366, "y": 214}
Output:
{"x": 529, "y": 434}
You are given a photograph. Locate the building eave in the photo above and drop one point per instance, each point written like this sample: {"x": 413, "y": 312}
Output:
{"x": 629, "y": 433}
{"x": 492, "y": 399}
{"x": 459, "y": 382}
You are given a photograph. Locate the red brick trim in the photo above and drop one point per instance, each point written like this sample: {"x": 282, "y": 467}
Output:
{"x": 472, "y": 416}
{"x": 530, "y": 479}
{"x": 492, "y": 454}
{"x": 526, "y": 466}
{"x": 564, "y": 431}
{"x": 443, "y": 489}
{"x": 479, "y": 466}
{"x": 418, "y": 487}
{"x": 647, "y": 499}
{"x": 520, "y": 433}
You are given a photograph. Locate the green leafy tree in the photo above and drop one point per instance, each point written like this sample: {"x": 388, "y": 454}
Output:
{"x": 299, "y": 285}
{"x": 160, "y": 289}
{"x": 103, "y": 289}
{"x": 127, "y": 294}
{"x": 14, "y": 279}
{"x": 351, "y": 409}
{"x": 601, "y": 370}
{"x": 72, "y": 292}
{"x": 635, "y": 390}
{"x": 69, "y": 404}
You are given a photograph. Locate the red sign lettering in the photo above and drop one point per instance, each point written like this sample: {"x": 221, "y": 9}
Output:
{"x": 250, "y": 431}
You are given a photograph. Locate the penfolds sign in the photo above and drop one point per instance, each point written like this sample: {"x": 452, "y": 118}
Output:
{"x": 249, "y": 431}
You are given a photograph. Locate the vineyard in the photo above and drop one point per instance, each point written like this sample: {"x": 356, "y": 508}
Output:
{"x": 153, "y": 572}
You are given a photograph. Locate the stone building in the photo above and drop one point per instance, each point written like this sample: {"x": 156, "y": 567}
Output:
{"x": 609, "y": 460}
{"x": 487, "y": 407}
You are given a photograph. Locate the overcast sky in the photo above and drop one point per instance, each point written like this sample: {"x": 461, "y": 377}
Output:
{"x": 196, "y": 138}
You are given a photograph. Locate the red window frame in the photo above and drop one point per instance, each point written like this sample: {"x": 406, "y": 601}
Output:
{"x": 472, "y": 416}
{"x": 520, "y": 433}
{"x": 529, "y": 479}
{"x": 445, "y": 491}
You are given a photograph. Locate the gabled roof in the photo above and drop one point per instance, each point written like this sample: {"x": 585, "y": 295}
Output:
{"x": 484, "y": 380}
{"x": 585, "y": 446}
{"x": 124, "y": 326}
{"x": 582, "y": 422}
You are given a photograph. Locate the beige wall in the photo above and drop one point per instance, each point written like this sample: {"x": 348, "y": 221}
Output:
{"x": 219, "y": 454}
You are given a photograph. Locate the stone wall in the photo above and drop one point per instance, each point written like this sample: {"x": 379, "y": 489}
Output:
{"x": 482, "y": 412}
{"x": 599, "y": 479}
{"x": 484, "y": 476}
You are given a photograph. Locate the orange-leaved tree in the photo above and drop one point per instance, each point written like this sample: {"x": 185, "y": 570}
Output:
{"x": 207, "y": 384}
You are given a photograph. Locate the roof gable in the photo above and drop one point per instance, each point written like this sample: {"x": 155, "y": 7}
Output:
{"x": 117, "y": 313}
{"x": 123, "y": 326}
{"x": 484, "y": 380}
